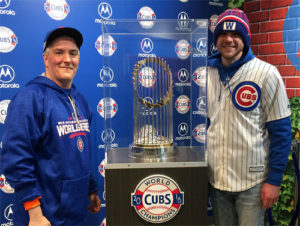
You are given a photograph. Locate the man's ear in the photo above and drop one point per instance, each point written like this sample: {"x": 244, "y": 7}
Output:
{"x": 45, "y": 57}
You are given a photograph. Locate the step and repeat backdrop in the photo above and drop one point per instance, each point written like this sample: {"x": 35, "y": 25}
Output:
{"x": 23, "y": 26}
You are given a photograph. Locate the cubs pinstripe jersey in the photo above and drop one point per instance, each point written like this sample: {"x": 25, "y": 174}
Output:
{"x": 237, "y": 139}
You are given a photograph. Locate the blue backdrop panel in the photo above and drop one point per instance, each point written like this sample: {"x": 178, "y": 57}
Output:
{"x": 23, "y": 25}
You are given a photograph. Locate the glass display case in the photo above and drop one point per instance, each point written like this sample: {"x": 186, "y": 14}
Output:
{"x": 154, "y": 76}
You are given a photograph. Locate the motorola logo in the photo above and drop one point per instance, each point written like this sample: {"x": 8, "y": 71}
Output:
{"x": 183, "y": 20}
{"x": 183, "y": 75}
{"x": 108, "y": 136}
{"x": 7, "y": 73}
{"x": 183, "y": 129}
{"x": 147, "y": 45}
{"x": 105, "y": 10}
{"x": 4, "y": 4}
{"x": 213, "y": 49}
{"x": 8, "y": 212}
{"x": 201, "y": 106}
{"x": 106, "y": 74}
{"x": 217, "y": 3}
{"x": 3, "y": 8}
{"x": 201, "y": 45}
{"x": 201, "y": 103}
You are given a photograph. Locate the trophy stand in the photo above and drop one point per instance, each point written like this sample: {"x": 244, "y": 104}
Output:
{"x": 153, "y": 117}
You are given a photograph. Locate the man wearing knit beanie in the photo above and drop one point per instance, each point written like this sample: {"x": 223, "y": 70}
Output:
{"x": 233, "y": 20}
{"x": 249, "y": 133}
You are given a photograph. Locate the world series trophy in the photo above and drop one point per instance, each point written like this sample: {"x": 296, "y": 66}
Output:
{"x": 153, "y": 113}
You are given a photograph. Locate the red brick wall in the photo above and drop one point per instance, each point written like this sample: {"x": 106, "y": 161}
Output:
{"x": 266, "y": 20}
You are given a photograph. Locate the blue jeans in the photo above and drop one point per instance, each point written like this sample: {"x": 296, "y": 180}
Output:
{"x": 237, "y": 208}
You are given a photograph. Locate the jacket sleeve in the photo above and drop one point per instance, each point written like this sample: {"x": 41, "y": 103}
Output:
{"x": 20, "y": 137}
{"x": 93, "y": 185}
{"x": 280, "y": 133}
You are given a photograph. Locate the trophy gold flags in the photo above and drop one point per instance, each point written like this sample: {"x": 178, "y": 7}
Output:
{"x": 153, "y": 113}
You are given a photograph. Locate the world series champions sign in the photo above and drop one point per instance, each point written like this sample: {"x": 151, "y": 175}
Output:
{"x": 157, "y": 199}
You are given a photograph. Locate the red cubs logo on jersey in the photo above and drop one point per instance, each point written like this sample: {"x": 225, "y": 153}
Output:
{"x": 246, "y": 96}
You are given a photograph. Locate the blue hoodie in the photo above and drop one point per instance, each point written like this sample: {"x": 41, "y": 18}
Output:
{"x": 46, "y": 152}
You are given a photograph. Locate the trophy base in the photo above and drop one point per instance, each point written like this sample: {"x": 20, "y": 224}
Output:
{"x": 152, "y": 152}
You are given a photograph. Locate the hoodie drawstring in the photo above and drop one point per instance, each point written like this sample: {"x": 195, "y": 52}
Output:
{"x": 72, "y": 101}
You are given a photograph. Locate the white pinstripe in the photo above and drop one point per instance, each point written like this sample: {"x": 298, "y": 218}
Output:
{"x": 238, "y": 140}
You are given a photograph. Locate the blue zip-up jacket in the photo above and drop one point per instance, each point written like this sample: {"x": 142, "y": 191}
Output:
{"x": 46, "y": 152}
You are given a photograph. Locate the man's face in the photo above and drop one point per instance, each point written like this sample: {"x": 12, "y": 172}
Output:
{"x": 230, "y": 45}
{"x": 61, "y": 61}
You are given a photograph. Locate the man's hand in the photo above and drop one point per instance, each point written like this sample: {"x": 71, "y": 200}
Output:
{"x": 36, "y": 217}
{"x": 269, "y": 195}
{"x": 95, "y": 203}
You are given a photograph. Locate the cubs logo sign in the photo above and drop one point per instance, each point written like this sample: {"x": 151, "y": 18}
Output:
{"x": 157, "y": 199}
{"x": 199, "y": 133}
{"x": 183, "y": 49}
{"x": 8, "y": 40}
{"x": 246, "y": 96}
{"x": 183, "y": 104}
{"x": 80, "y": 144}
{"x": 105, "y": 45}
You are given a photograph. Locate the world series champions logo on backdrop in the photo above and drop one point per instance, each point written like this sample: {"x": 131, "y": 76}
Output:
{"x": 157, "y": 198}
{"x": 8, "y": 40}
{"x": 146, "y": 17}
{"x": 57, "y": 9}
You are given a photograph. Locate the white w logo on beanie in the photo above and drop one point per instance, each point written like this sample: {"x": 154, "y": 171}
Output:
{"x": 229, "y": 26}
